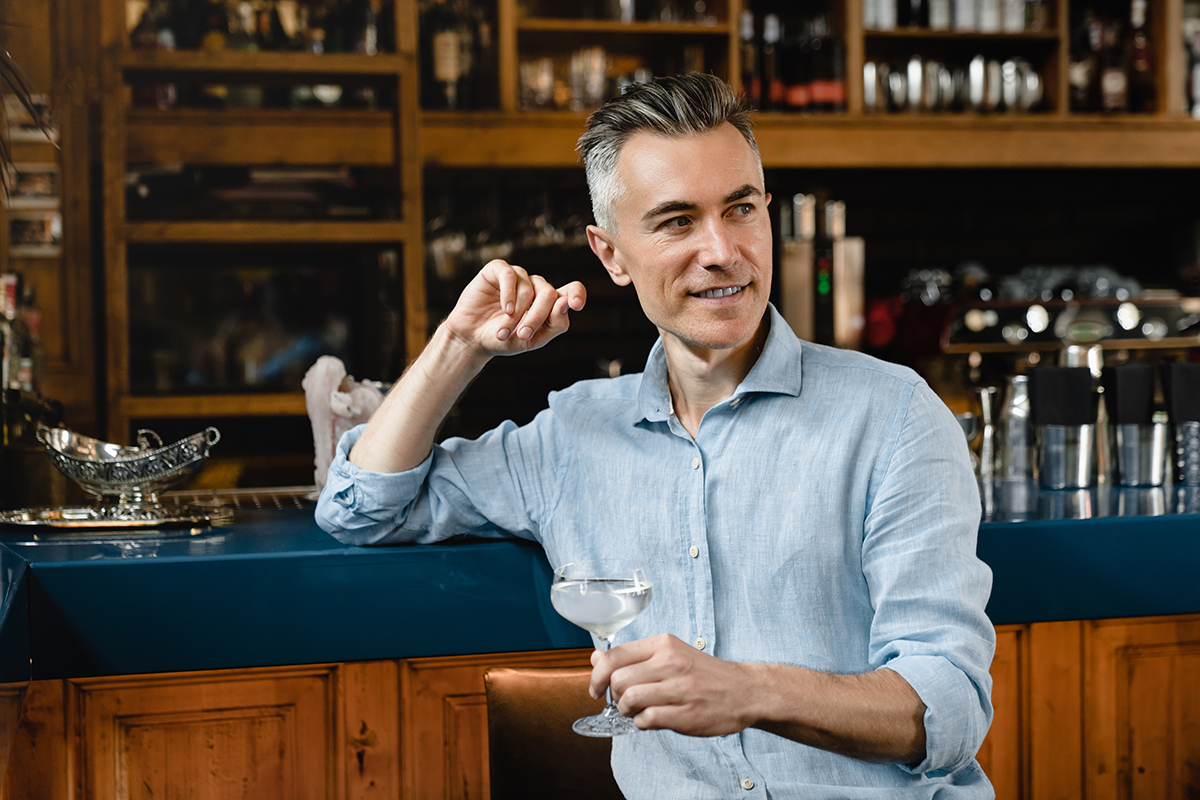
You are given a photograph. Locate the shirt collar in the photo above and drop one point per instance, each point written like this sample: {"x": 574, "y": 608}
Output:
{"x": 777, "y": 371}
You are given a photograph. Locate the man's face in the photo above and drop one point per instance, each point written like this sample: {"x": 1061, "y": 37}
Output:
{"x": 694, "y": 236}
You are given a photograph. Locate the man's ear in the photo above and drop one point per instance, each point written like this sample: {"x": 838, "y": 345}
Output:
{"x": 604, "y": 246}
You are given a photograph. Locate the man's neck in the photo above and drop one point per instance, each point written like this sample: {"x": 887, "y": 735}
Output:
{"x": 700, "y": 377}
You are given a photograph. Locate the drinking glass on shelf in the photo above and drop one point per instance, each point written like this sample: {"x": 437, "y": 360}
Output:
{"x": 602, "y": 596}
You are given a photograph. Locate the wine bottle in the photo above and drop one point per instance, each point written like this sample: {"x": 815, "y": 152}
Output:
{"x": 1082, "y": 77}
{"x": 1114, "y": 77}
{"x": 751, "y": 82}
{"x": 441, "y": 54}
{"x": 772, "y": 77}
{"x": 797, "y": 60}
{"x": 1140, "y": 61}
{"x": 828, "y": 69}
{"x": 18, "y": 344}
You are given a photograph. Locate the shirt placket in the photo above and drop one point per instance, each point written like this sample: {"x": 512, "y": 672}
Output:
{"x": 693, "y": 530}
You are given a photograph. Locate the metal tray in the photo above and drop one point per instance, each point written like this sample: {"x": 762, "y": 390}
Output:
{"x": 95, "y": 518}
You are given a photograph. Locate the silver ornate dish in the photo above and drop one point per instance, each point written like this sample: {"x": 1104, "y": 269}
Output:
{"x": 125, "y": 480}
{"x": 131, "y": 474}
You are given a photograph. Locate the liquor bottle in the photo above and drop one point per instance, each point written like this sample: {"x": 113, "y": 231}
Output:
{"x": 833, "y": 229}
{"x": 485, "y": 91}
{"x": 751, "y": 81}
{"x": 213, "y": 29}
{"x": 441, "y": 56}
{"x": 1082, "y": 68}
{"x": 912, "y": 14}
{"x": 362, "y": 33}
{"x": 940, "y": 15}
{"x": 37, "y": 349}
{"x": 1143, "y": 94}
{"x": 772, "y": 77}
{"x": 468, "y": 54}
{"x": 385, "y": 24}
{"x": 16, "y": 371}
{"x": 154, "y": 32}
{"x": 797, "y": 61}
{"x": 1114, "y": 75}
{"x": 337, "y": 34}
{"x": 828, "y": 69}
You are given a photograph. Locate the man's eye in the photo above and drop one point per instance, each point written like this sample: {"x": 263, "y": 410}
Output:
{"x": 677, "y": 222}
{"x": 743, "y": 209}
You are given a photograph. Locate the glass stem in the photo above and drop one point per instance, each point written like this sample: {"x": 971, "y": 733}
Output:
{"x": 610, "y": 708}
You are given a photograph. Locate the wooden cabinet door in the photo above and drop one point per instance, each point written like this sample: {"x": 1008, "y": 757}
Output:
{"x": 444, "y": 716}
{"x": 255, "y": 734}
{"x": 1000, "y": 755}
{"x": 1142, "y": 708}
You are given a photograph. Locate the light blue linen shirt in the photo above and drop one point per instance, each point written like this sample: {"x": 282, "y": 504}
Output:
{"x": 825, "y": 516}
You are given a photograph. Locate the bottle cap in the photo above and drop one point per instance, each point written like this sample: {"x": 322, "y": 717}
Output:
{"x": 1061, "y": 396}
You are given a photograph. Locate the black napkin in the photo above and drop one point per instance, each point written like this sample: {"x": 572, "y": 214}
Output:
{"x": 1181, "y": 390}
{"x": 1061, "y": 396}
{"x": 1129, "y": 394}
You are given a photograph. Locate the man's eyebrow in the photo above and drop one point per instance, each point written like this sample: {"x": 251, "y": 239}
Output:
{"x": 742, "y": 192}
{"x": 671, "y": 206}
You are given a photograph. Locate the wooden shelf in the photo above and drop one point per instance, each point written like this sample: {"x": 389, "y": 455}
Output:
{"x": 214, "y": 405}
{"x": 261, "y": 136}
{"x": 284, "y": 63}
{"x": 599, "y": 26}
{"x": 924, "y": 34}
{"x": 268, "y": 231}
{"x": 547, "y": 139}
{"x": 1170, "y": 343}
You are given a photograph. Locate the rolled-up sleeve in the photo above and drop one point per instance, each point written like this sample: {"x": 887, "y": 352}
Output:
{"x": 928, "y": 587}
{"x": 501, "y": 484}
{"x": 361, "y": 507}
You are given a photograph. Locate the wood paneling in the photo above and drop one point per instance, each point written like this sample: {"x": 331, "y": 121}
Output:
{"x": 1142, "y": 701}
{"x": 444, "y": 712}
{"x": 253, "y": 735}
{"x": 39, "y": 757}
{"x": 1001, "y": 755}
{"x": 1095, "y": 710}
{"x": 1055, "y": 705}
{"x": 371, "y": 712}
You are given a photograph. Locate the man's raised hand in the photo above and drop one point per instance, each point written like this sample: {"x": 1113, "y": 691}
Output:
{"x": 505, "y": 310}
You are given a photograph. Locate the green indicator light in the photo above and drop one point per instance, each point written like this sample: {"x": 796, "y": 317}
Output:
{"x": 823, "y": 283}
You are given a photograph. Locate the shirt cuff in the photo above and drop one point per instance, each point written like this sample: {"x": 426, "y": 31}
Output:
{"x": 360, "y": 507}
{"x": 957, "y": 714}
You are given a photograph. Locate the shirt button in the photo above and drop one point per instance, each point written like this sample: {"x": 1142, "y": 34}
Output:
{"x": 700, "y": 643}
{"x": 732, "y": 403}
{"x": 693, "y": 551}
{"x": 695, "y": 463}
{"x": 747, "y": 784}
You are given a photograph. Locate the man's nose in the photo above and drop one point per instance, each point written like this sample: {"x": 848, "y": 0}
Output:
{"x": 717, "y": 249}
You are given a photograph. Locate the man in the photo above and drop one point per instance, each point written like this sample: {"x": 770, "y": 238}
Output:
{"x": 808, "y": 515}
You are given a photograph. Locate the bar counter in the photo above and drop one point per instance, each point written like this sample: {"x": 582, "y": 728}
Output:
{"x": 274, "y": 589}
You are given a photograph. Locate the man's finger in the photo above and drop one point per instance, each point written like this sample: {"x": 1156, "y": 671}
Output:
{"x": 505, "y": 279}
{"x": 576, "y": 295}
{"x": 540, "y": 308}
{"x": 604, "y": 664}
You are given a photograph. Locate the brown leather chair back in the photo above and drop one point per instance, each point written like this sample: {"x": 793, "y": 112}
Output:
{"x": 532, "y": 750}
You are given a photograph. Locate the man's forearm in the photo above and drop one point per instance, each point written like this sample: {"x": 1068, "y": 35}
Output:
{"x": 401, "y": 432}
{"x": 875, "y": 716}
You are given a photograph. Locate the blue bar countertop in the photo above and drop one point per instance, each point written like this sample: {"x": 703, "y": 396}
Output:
{"x": 272, "y": 588}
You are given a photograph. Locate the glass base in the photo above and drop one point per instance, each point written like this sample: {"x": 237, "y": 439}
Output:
{"x": 609, "y": 722}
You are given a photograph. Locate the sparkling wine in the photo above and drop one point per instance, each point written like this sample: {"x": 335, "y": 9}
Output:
{"x": 601, "y": 606}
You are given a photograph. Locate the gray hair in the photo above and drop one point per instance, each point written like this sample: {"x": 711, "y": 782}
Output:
{"x": 683, "y": 105}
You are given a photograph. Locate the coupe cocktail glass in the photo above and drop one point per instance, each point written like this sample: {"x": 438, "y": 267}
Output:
{"x": 602, "y": 596}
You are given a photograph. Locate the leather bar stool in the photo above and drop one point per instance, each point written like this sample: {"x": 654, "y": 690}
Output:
{"x": 532, "y": 750}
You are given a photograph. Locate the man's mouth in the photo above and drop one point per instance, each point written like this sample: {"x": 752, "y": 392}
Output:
{"x": 715, "y": 293}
